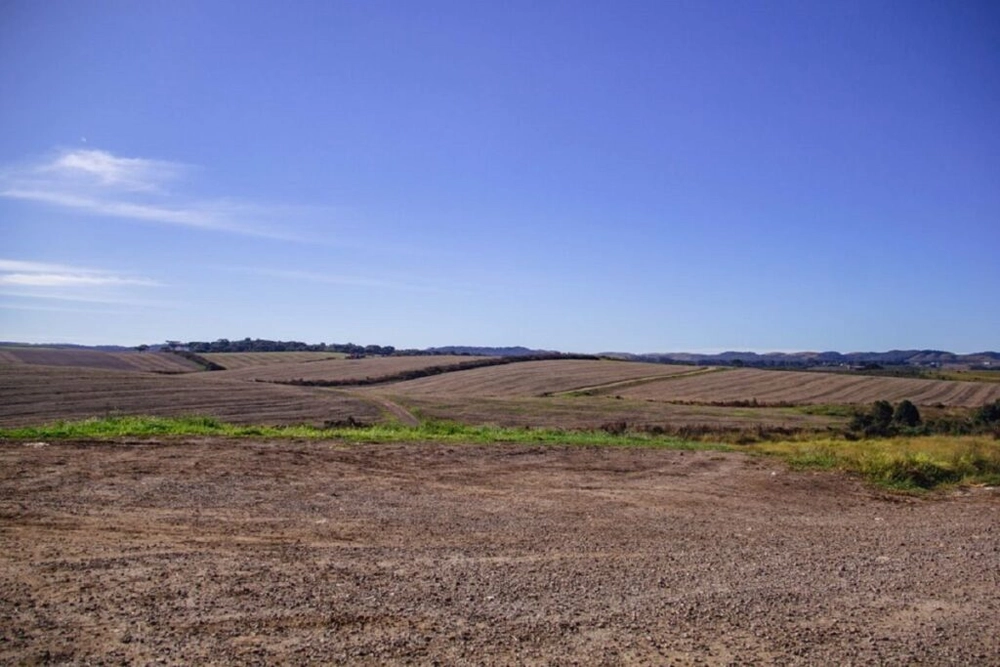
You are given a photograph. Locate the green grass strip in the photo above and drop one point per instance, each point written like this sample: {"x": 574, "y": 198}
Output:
{"x": 909, "y": 464}
{"x": 438, "y": 431}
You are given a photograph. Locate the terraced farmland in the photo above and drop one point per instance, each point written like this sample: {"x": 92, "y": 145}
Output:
{"x": 338, "y": 369}
{"x": 36, "y": 394}
{"x": 155, "y": 362}
{"x": 789, "y": 387}
{"x": 537, "y": 378}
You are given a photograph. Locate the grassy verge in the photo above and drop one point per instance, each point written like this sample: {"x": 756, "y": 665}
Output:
{"x": 901, "y": 464}
{"x": 143, "y": 426}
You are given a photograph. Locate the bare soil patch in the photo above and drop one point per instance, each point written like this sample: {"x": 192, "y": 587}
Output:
{"x": 213, "y": 551}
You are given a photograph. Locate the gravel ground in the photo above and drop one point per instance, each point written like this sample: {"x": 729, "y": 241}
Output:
{"x": 214, "y": 551}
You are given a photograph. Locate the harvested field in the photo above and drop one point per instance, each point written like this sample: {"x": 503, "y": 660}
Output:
{"x": 157, "y": 362}
{"x": 37, "y": 394}
{"x": 240, "y": 360}
{"x": 341, "y": 369}
{"x": 216, "y": 552}
{"x": 596, "y": 412}
{"x": 536, "y": 378}
{"x": 769, "y": 387}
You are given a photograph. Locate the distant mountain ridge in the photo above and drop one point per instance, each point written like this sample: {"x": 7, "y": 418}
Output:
{"x": 929, "y": 358}
{"x": 925, "y": 358}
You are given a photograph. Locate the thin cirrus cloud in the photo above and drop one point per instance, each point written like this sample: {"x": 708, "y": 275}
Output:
{"x": 100, "y": 183}
{"x": 19, "y": 273}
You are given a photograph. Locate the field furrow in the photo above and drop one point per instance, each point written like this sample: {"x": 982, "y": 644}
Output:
{"x": 333, "y": 370}
{"x": 535, "y": 378}
{"x": 789, "y": 387}
{"x": 156, "y": 362}
{"x": 47, "y": 393}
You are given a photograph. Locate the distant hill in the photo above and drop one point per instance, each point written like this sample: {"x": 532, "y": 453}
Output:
{"x": 919, "y": 358}
{"x": 927, "y": 358}
{"x": 69, "y": 346}
{"x": 517, "y": 351}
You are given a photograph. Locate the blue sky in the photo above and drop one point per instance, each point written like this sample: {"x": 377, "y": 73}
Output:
{"x": 582, "y": 176}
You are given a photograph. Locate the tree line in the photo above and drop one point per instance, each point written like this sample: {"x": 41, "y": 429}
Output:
{"x": 265, "y": 345}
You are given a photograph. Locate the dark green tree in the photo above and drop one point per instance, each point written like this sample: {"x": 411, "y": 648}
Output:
{"x": 906, "y": 414}
{"x": 882, "y": 413}
{"x": 988, "y": 414}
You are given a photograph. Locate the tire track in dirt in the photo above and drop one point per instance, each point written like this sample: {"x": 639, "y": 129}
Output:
{"x": 404, "y": 416}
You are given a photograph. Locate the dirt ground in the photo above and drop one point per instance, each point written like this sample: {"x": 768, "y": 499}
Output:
{"x": 213, "y": 551}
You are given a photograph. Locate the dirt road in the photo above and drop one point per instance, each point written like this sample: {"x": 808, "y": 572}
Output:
{"x": 259, "y": 552}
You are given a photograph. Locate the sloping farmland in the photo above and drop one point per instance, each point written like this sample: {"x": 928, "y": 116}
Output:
{"x": 537, "y": 378}
{"x": 155, "y": 362}
{"x": 339, "y": 370}
{"x": 800, "y": 388}
{"x": 37, "y": 394}
{"x": 232, "y": 361}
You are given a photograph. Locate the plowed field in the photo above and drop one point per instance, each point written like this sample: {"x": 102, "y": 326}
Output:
{"x": 811, "y": 388}
{"x": 216, "y": 552}
{"x": 585, "y": 412}
{"x": 159, "y": 362}
{"x": 239, "y": 360}
{"x": 339, "y": 369}
{"x": 37, "y": 394}
{"x": 536, "y": 378}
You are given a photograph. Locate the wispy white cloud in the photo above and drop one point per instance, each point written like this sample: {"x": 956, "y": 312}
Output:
{"x": 40, "y": 274}
{"x": 107, "y": 170}
{"x": 96, "y": 182}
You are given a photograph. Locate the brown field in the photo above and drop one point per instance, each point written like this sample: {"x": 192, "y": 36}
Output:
{"x": 804, "y": 388}
{"x": 38, "y": 394}
{"x": 536, "y": 378}
{"x": 339, "y": 369}
{"x": 555, "y": 393}
{"x": 240, "y": 360}
{"x": 586, "y": 412}
{"x": 243, "y": 552}
{"x": 157, "y": 362}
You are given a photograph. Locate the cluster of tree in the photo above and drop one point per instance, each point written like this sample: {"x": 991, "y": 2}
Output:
{"x": 263, "y": 345}
{"x": 881, "y": 419}
{"x": 884, "y": 420}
